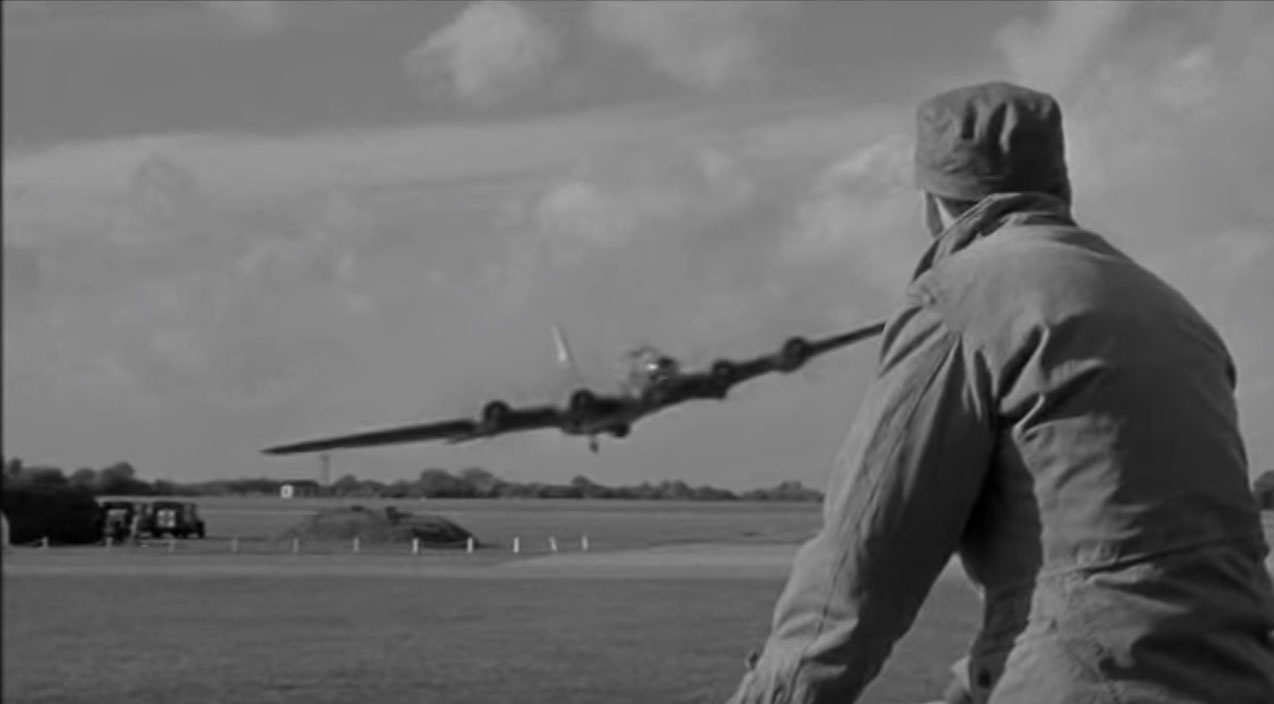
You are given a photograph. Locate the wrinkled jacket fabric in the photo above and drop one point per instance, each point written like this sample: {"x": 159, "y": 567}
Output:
{"x": 1065, "y": 422}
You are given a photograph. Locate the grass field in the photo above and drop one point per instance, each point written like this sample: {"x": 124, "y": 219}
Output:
{"x": 401, "y": 639}
{"x": 608, "y": 525}
{"x": 646, "y": 617}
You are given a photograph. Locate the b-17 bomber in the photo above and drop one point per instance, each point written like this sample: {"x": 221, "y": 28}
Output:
{"x": 655, "y": 382}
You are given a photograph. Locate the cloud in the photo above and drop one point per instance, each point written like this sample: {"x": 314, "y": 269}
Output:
{"x": 18, "y": 10}
{"x": 23, "y": 275}
{"x": 494, "y": 50}
{"x": 163, "y": 203}
{"x": 334, "y": 280}
{"x": 1050, "y": 54}
{"x": 715, "y": 46}
{"x": 641, "y": 189}
{"x": 262, "y": 17}
{"x": 862, "y": 214}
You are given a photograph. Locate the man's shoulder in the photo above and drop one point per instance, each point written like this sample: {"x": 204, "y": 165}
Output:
{"x": 1036, "y": 276}
{"x": 1030, "y": 260}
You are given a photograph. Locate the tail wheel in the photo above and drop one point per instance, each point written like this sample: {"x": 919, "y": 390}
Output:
{"x": 795, "y": 352}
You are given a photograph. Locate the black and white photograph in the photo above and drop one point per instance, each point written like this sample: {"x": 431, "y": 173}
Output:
{"x": 638, "y": 351}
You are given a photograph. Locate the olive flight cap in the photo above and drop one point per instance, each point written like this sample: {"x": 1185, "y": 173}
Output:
{"x": 990, "y": 138}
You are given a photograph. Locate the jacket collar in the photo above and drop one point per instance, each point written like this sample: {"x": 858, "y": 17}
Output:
{"x": 990, "y": 215}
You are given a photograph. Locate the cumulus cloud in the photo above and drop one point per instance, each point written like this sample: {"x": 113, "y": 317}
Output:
{"x": 716, "y": 46}
{"x": 862, "y": 214}
{"x": 335, "y": 281}
{"x": 1050, "y": 54}
{"x": 23, "y": 275}
{"x": 495, "y": 49}
{"x": 255, "y": 16}
{"x": 161, "y": 204}
{"x": 638, "y": 190}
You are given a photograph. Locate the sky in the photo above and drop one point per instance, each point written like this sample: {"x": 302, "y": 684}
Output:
{"x": 229, "y": 225}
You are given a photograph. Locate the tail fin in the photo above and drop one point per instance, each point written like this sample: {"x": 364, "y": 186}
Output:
{"x": 565, "y": 357}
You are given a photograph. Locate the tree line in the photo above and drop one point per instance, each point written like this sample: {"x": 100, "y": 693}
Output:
{"x": 121, "y": 479}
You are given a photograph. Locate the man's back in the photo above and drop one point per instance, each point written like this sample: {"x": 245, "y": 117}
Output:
{"x": 1061, "y": 419}
{"x": 1116, "y": 537}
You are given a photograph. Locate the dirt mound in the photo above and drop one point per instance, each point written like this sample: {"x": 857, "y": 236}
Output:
{"x": 372, "y": 527}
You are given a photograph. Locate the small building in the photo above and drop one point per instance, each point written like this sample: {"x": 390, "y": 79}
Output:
{"x": 299, "y": 489}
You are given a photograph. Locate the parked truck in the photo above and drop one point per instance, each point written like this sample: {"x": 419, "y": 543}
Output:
{"x": 178, "y": 519}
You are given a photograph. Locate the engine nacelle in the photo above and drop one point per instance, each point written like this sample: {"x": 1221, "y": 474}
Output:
{"x": 494, "y": 413}
{"x": 723, "y": 373}
{"x": 620, "y": 431}
{"x": 582, "y": 401}
{"x": 794, "y": 354}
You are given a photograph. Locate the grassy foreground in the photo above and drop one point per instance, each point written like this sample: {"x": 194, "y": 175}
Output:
{"x": 295, "y": 635}
{"x": 453, "y": 641}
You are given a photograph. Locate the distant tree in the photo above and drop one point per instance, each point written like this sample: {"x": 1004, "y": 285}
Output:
{"x": 644, "y": 492}
{"x": 257, "y": 486}
{"x": 482, "y": 482}
{"x": 400, "y": 489}
{"x": 45, "y": 476}
{"x": 676, "y": 490}
{"x": 589, "y": 489}
{"x": 441, "y": 484}
{"x": 708, "y": 493}
{"x": 369, "y": 488}
{"x": 557, "y": 491}
{"x": 347, "y": 485}
{"x": 84, "y": 478}
{"x": 120, "y": 479}
{"x": 785, "y": 491}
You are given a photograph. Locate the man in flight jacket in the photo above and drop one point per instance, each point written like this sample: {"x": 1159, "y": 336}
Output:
{"x": 1061, "y": 419}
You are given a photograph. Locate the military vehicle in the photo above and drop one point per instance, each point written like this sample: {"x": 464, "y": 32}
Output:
{"x": 175, "y": 518}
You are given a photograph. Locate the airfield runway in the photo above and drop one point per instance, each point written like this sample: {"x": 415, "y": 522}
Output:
{"x": 683, "y": 561}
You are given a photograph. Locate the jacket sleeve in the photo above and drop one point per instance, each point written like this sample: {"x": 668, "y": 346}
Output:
{"x": 901, "y": 491}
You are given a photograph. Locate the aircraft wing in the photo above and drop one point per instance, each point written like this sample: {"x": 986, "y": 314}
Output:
{"x": 497, "y": 422}
{"x": 421, "y": 432}
{"x": 828, "y": 344}
{"x": 595, "y": 413}
{"x": 724, "y": 374}
{"x": 793, "y": 355}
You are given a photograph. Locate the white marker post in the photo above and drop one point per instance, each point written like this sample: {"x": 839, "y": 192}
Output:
{"x": 517, "y": 545}
{"x": 44, "y": 542}
{"x": 356, "y": 545}
{"x": 415, "y": 546}
{"x": 172, "y": 544}
{"x": 583, "y": 543}
{"x": 234, "y": 545}
{"x": 552, "y": 544}
{"x": 296, "y": 546}
{"x": 468, "y": 545}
